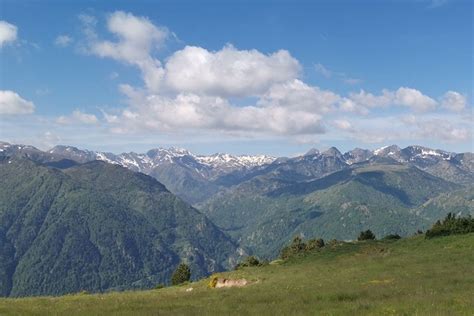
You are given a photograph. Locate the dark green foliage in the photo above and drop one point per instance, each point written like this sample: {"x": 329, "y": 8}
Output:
{"x": 250, "y": 261}
{"x": 451, "y": 225}
{"x": 266, "y": 210}
{"x": 159, "y": 286}
{"x": 297, "y": 246}
{"x": 181, "y": 274}
{"x": 315, "y": 244}
{"x": 97, "y": 227}
{"x": 366, "y": 235}
{"x": 392, "y": 237}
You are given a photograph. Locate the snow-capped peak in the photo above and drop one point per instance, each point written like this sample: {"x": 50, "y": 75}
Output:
{"x": 231, "y": 161}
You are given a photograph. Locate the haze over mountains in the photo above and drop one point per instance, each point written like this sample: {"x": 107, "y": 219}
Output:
{"x": 132, "y": 231}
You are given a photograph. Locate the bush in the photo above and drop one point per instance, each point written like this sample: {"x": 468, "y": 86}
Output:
{"x": 159, "y": 286}
{"x": 181, "y": 275}
{"x": 296, "y": 246}
{"x": 315, "y": 244}
{"x": 250, "y": 261}
{"x": 392, "y": 237}
{"x": 451, "y": 226}
{"x": 366, "y": 235}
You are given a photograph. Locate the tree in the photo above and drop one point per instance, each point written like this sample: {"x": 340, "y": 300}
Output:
{"x": 296, "y": 246}
{"x": 366, "y": 235}
{"x": 451, "y": 225}
{"x": 315, "y": 243}
{"x": 250, "y": 261}
{"x": 181, "y": 274}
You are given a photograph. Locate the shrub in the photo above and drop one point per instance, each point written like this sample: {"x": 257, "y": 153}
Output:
{"x": 181, "y": 275}
{"x": 315, "y": 244}
{"x": 159, "y": 286}
{"x": 250, "y": 261}
{"x": 392, "y": 237}
{"x": 334, "y": 243}
{"x": 296, "y": 246}
{"x": 366, "y": 235}
{"x": 451, "y": 226}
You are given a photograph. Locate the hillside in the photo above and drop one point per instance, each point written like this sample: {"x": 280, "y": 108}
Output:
{"x": 378, "y": 195}
{"x": 97, "y": 227}
{"x": 196, "y": 178}
{"x": 413, "y": 276}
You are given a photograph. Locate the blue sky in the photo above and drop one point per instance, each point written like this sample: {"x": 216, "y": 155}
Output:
{"x": 274, "y": 77}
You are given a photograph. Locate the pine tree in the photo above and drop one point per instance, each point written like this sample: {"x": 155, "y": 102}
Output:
{"x": 181, "y": 274}
{"x": 366, "y": 235}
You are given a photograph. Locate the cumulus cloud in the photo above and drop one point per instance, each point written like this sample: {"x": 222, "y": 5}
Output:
{"x": 63, "y": 40}
{"x": 229, "y": 71}
{"x": 363, "y": 101}
{"x": 11, "y": 103}
{"x": 414, "y": 99}
{"x": 192, "y": 111}
{"x": 195, "y": 90}
{"x": 136, "y": 38}
{"x": 295, "y": 94}
{"x": 78, "y": 117}
{"x": 454, "y": 101}
{"x": 8, "y": 33}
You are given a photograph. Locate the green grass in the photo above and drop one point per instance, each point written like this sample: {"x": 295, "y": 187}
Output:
{"x": 413, "y": 276}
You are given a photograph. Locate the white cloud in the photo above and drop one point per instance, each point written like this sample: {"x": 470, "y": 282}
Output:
{"x": 190, "y": 111}
{"x": 242, "y": 92}
{"x": 8, "y": 33}
{"x": 229, "y": 71}
{"x": 408, "y": 97}
{"x": 441, "y": 127}
{"x": 454, "y": 101}
{"x": 12, "y": 103}
{"x": 63, "y": 40}
{"x": 444, "y": 130}
{"x": 296, "y": 94}
{"x": 78, "y": 117}
{"x": 414, "y": 99}
{"x": 136, "y": 38}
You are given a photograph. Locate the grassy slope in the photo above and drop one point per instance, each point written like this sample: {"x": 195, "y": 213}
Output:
{"x": 409, "y": 276}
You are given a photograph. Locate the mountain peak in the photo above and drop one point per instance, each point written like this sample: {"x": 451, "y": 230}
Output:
{"x": 312, "y": 151}
{"x": 387, "y": 150}
{"x": 332, "y": 152}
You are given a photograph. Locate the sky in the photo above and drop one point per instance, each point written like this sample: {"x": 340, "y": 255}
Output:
{"x": 243, "y": 77}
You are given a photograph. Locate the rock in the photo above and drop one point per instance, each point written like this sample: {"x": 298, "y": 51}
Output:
{"x": 221, "y": 282}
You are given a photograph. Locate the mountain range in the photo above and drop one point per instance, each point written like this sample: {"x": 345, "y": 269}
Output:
{"x": 97, "y": 227}
{"x": 183, "y": 172}
{"x": 242, "y": 205}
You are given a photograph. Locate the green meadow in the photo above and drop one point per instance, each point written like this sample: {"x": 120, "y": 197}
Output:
{"x": 412, "y": 276}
